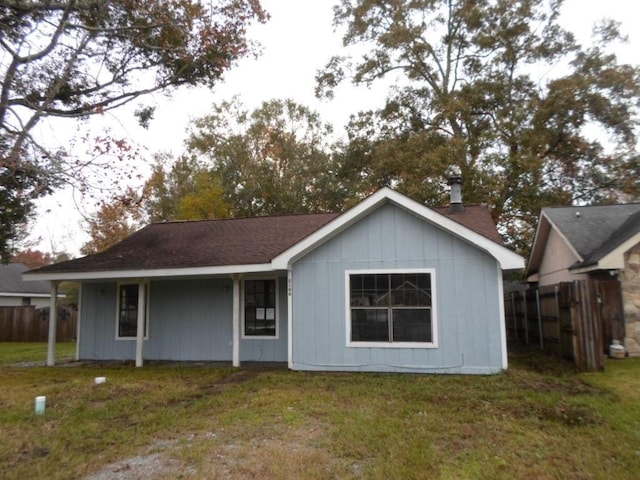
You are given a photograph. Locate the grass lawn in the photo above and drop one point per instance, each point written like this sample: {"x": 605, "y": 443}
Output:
{"x": 539, "y": 420}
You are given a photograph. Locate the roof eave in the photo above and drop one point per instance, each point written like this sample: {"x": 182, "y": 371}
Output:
{"x": 613, "y": 260}
{"x": 151, "y": 273}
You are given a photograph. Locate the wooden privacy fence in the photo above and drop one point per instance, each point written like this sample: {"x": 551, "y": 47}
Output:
{"x": 577, "y": 320}
{"x": 28, "y": 324}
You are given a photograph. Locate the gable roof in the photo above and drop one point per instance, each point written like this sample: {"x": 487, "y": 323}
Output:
{"x": 257, "y": 244}
{"x": 507, "y": 259}
{"x": 598, "y": 235}
{"x": 11, "y": 283}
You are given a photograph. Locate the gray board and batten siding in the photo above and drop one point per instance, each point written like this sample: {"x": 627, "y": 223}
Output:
{"x": 188, "y": 320}
{"x": 467, "y": 301}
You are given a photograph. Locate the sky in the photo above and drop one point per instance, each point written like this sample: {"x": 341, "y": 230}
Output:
{"x": 297, "y": 41}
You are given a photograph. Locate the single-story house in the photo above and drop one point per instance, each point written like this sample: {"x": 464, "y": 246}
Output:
{"x": 15, "y": 292}
{"x": 592, "y": 242}
{"x": 389, "y": 285}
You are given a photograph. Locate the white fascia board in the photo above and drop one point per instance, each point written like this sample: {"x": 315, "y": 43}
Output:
{"x": 155, "y": 273}
{"x": 507, "y": 259}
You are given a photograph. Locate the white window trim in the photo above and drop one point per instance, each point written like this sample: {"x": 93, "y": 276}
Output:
{"x": 242, "y": 307}
{"x": 146, "y": 311}
{"x": 434, "y": 309}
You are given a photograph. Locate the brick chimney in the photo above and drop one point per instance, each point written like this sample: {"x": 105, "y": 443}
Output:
{"x": 454, "y": 180}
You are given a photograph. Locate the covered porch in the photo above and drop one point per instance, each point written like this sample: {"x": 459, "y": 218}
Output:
{"x": 236, "y": 317}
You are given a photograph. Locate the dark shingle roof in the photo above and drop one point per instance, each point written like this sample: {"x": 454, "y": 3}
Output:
{"x": 11, "y": 281}
{"x": 475, "y": 217}
{"x": 206, "y": 243}
{"x": 596, "y": 230}
{"x": 242, "y": 241}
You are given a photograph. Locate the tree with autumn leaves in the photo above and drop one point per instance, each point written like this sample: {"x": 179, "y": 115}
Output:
{"x": 474, "y": 86}
{"x": 497, "y": 87}
{"x": 78, "y": 58}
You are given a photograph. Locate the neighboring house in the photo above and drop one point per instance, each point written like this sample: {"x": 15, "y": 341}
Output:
{"x": 597, "y": 242}
{"x": 389, "y": 285}
{"x": 15, "y": 292}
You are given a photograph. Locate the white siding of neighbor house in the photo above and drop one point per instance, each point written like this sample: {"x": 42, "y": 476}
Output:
{"x": 467, "y": 288}
{"x": 556, "y": 260}
{"x": 189, "y": 320}
{"x": 38, "y": 302}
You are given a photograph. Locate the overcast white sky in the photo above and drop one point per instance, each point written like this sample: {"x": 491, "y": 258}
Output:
{"x": 297, "y": 41}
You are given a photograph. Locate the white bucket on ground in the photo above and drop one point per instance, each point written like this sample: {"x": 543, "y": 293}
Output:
{"x": 40, "y": 405}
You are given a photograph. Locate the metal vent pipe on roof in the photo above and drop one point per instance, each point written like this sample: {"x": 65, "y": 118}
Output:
{"x": 454, "y": 180}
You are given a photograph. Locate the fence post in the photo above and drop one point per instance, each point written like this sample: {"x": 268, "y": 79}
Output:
{"x": 515, "y": 316}
{"x": 540, "y": 329}
{"x": 555, "y": 290}
{"x": 526, "y": 318}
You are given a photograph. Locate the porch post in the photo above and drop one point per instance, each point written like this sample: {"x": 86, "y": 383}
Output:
{"x": 142, "y": 301}
{"x": 78, "y": 322}
{"x": 53, "y": 312}
{"x": 236, "y": 320}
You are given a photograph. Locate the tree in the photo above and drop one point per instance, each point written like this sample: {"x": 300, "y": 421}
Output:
{"x": 79, "y": 58}
{"x": 114, "y": 220}
{"x": 32, "y": 258}
{"x": 466, "y": 93}
{"x": 274, "y": 160}
{"x": 184, "y": 190}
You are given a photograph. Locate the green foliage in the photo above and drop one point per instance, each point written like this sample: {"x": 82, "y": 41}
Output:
{"x": 274, "y": 160}
{"x": 466, "y": 92}
{"x": 184, "y": 190}
{"x": 538, "y": 420}
{"x": 85, "y": 57}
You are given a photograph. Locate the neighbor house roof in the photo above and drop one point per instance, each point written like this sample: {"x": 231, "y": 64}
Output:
{"x": 12, "y": 285}
{"x": 256, "y": 244}
{"x": 598, "y": 235}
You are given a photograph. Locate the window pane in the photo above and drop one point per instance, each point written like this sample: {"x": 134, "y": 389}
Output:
{"x": 411, "y": 290}
{"x": 128, "y": 314}
{"x": 259, "y": 308}
{"x": 412, "y": 325}
{"x": 369, "y": 290}
{"x": 369, "y": 325}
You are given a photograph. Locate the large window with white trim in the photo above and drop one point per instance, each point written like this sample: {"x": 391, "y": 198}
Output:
{"x": 260, "y": 308}
{"x": 391, "y": 308}
{"x": 127, "y": 311}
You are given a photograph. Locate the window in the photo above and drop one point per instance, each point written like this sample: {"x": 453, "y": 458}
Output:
{"x": 260, "y": 316}
{"x": 128, "y": 311}
{"x": 393, "y": 307}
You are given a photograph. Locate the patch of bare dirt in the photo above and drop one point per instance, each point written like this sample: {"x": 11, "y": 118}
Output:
{"x": 280, "y": 453}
